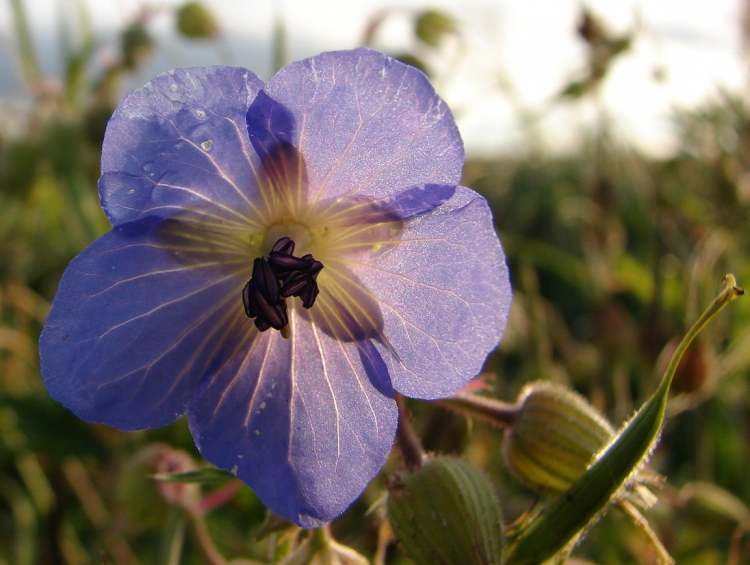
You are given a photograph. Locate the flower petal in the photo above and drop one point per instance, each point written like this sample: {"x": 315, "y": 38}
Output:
{"x": 180, "y": 142}
{"x": 444, "y": 295}
{"x": 139, "y": 317}
{"x": 306, "y": 422}
{"x": 366, "y": 124}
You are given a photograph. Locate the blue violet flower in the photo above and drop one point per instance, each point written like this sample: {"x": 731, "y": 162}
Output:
{"x": 284, "y": 258}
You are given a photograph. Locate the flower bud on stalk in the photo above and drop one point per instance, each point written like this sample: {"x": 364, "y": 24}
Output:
{"x": 446, "y": 512}
{"x": 555, "y": 436}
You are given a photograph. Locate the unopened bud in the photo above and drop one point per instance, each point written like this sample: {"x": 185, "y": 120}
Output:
{"x": 433, "y": 25}
{"x": 554, "y": 438}
{"x": 136, "y": 45}
{"x": 447, "y": 512}
{"x": 195, "y": 21}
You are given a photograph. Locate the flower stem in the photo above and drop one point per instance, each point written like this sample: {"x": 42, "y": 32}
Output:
{"x": 729, "y": 291}
{"x": 205, "y": 541}
{"x": 490, "y": 410}
{"x": 642, "y": 524}
{"x": 407, "y": 439}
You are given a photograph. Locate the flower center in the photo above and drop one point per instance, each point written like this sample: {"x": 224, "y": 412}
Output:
{"x": 280, "y": 276}
{"x": 299, "y": 234}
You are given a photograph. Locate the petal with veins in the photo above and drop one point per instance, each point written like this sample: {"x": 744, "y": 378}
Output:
{"x": 138, "y": 320}
{"x": 180, "y": 142}
{"x": 444, "y": 294}
{"x": 307, "y": 422}
{"x": 367, "y": 124}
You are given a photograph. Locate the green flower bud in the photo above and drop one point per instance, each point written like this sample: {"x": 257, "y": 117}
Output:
{"x": 554, "y": 437}
{"x": 432, "y": 26}
{"x": 447, "y": 512}
{"x": 136, "y": 45}
{"x": 195, "y": 21}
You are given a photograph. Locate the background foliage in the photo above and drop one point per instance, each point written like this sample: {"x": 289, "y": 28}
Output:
{"x": 612, "y": 254}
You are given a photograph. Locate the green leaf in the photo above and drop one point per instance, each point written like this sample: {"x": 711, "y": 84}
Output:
{"x": 207, "y": 475}
{"x": 559, "y": 524}
{"x": 44, "y": 427}
{"x": 446, "y": 512}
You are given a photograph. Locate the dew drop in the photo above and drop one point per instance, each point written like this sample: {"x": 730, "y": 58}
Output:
{"x": 263, "y": 405}
{"x": 207, "y": 145}
{"x": 200, "y": 114}
{"x": 179, "y": 145}
{"x": 131, "y": 190}
{"x": 173, "y": 87}
{"x": 257, "y": 432}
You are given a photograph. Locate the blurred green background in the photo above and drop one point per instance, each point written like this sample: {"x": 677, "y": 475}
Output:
{"x": 613, "y": 251}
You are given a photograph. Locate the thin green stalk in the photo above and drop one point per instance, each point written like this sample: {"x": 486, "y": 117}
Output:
{"x": 642, "y": 524}
{"x": 173, "y": 538}
{"x": 407, "y": 439}
{"x": 26, "y": 51}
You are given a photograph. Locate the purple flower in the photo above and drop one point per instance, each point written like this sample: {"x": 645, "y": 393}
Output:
{"x": 282, "y": 259}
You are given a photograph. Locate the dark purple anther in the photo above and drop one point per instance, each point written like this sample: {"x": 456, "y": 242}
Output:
{"x": 273, "y": 280}
{"x": 284, "y": 245}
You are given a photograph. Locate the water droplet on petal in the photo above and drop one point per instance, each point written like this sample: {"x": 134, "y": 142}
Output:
{"x": 200, "y": 114}
{"x": 173, "y": 87}
{"x": 179, "y": 145}
{"x": 207, "y": 145}
{"x": 131, "y": 190}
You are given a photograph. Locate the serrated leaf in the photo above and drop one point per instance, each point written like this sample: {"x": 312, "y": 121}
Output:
{"x": 560, "y": 523}
{"x": 446, "y": 512}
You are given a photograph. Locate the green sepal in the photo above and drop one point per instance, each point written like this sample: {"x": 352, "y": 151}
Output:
{"x": 447, "y": 512}
{"x": 560, "y": 523}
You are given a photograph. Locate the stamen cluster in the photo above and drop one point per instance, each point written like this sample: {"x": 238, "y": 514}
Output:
{"x": 280, "y": 276}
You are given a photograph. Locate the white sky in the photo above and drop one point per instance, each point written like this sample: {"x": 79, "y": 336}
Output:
{"x": 530, "y": 42}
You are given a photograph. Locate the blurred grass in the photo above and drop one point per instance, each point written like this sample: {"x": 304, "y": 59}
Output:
{"x": 611, "y": 254}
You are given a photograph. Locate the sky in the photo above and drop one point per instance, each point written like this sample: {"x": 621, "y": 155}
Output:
{"x": 530, "y": 45}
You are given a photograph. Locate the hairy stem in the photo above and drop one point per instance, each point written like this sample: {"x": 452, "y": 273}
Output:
{"x": 490, "y": 410}
{"x": 407, "y": 439}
